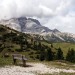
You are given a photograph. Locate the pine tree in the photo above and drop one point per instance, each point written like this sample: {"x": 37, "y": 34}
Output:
{"x": 42, "y": 55}
{"x": 59, "y": 55}
{"x": 49, "y": 54}
{"x": 70, "y": 55}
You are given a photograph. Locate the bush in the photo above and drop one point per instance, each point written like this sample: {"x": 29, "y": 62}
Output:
{"x": 6, "y": 55}
{"x": 38, "y": 52}
{"x": 32, "y": 57}
{"x": 18, "y": 50}
{"x": 31, "y": 53}
{"x": 37, "y": 57}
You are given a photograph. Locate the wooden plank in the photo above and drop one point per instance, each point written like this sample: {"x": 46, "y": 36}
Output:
{"x": 19, "y": 57}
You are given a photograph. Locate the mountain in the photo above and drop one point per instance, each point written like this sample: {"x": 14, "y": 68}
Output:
{"x": 24, "y": 25}
{"x": 59, "y": 37}
{"x": 33, "y": 26}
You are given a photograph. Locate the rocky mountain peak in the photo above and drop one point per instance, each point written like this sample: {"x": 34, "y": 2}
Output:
{"x": 55, "y": 30}
{"x": 34, "y": 20}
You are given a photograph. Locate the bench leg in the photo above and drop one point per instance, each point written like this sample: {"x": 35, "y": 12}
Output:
{"x": 24, "y": 63}
{"x": 14, "y": 61}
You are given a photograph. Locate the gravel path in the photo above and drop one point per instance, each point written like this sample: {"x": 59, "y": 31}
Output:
{"x": 34, "y": 69}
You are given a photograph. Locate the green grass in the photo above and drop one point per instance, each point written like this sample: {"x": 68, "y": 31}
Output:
{"x": 5, "y": 61}
{"x": 64, "y": 46}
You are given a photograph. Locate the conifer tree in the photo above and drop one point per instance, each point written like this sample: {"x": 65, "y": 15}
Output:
{"x": 49, "y": 54}
{"x": 59, "y": 55}
{"x": 42, "y": 55}
{"x": 70, "y": 55}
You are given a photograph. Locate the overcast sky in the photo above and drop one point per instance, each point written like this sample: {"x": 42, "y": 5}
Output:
{"x": 58, "y": 14}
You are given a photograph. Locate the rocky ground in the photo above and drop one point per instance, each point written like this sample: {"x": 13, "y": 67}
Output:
{"x": 32, "y": 69}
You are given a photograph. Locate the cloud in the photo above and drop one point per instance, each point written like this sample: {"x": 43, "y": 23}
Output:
{"x": 46, "y": 12}
{"x": 39, "y": 8}
{"x": 63, "y": 23}
{"x": 58, "y": 14}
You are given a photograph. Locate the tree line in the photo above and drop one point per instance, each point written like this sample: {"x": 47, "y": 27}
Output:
{"x": 49, "y": 55}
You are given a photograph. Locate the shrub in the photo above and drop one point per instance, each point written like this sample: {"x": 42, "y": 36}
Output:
{"x": 37, "y": 57}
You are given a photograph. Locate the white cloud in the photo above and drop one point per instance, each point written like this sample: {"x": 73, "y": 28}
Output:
{"x": 46, "y": 11}
{"x": 63, "y": 23}
{"x": 43, "y": 8}
{"x": 58, "y": 14}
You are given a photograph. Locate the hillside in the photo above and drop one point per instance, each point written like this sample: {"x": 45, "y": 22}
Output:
{"x": 12, "y": 41}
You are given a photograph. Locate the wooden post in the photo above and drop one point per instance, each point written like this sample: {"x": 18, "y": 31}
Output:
{"x": 14, "y": 60}
{"x": 24, "y": 62}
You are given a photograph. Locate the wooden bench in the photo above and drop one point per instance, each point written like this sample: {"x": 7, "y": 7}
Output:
{"x": 19, "y": 57}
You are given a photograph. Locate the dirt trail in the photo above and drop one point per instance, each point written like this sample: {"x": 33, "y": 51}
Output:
{"x": 33, "y": 69}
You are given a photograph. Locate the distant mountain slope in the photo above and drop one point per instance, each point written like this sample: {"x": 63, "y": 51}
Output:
{"x": 33, "y": 26}
{"x": 59, "y": 37}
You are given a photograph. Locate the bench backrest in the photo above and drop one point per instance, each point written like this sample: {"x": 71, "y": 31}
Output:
{"x": 19, "y": 57}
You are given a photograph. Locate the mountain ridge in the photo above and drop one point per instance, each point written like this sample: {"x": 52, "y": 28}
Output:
{"x": 24, "y": 24}
{"x": 33, "y": 26}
